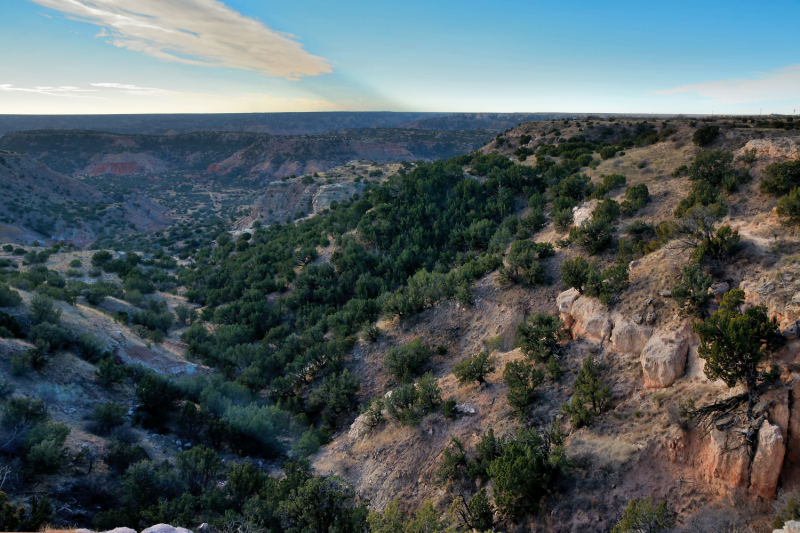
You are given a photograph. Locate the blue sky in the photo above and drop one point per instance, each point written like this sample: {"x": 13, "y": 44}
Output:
{"x": 135, "y": 56}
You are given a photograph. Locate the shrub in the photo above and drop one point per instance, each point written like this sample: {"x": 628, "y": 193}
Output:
{"x": 608, "y": 152}
{"x": 101, "y": 258}
{"x": 18, "y": 411}
{"x": 9, "y": 327}
{"x": 789, "y": 208}
{"x": 594, "y": 235}
{"x": 538, "y": 336}
{"x": 562, "y": 218}
{"x": 109, "y": 373}
{"x": 692, "y": 291}
{"x": 449, "y": 409}
{"x": 534, "y": 221}
{"x": 575, "y": 273}
{"x": 644, "y": 515}
{"x": 523, "y": 264}
{"x": 781, "y": 178}
{"x": 522, "y": 379}
{"x": 75, "y": 263}
{"x": 474, "y": 368}
{"x": 43, "y": 310}
{"x": 47, "y": 457}
{"x": 607, "y": 209}
{"x": 403, "y": 362}
{"x": 9, "y": 297}
{"x": 526, "y": 471}
{"x": 409, "y": 403}
{"x": 636, "y": 198}
{"x": 373, "y": 413}
{"x": 591, "y": 396}
{"x": 108, "y": 416}
{"x": 120, "y": 455}
{"x": 702, "y": 194}
{"x": 705, "y": 135}
{"x": 185, "y": 314}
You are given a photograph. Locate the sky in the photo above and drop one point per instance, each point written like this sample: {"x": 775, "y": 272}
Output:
{"x": 241, "y": 56}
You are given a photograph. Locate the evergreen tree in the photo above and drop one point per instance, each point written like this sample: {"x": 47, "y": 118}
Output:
{"x": 522, "y": 379}
{"x": 475, "y": 368}
{"x": 591, "y": 396}
{"x": 644, "y": 516}
{"x": 539, "y": 336}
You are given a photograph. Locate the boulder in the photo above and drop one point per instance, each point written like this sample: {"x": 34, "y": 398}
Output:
{"x": 767, "y": 463}
{"x": 718, "y": 289}
{"x": 628, "y": 336}
{"x": 664, "y": 357}
{"x": 593, "y": 317}
{"x": 789, "y": 329}
{"x": 565, "y": 300}
{"x": 121, "y": 530}
{"x": 583, "y": 212}
{"x": 165, "y": 528}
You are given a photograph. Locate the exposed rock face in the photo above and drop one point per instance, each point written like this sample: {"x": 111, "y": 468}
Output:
{"x": 564, "y": 302}
{"x": 789, "y": 527}
{"x": 593, "y": 318}
{"x": 768, "y": 460}
{"x": 664, "y": 357}
{"x": 723, "y": 462}
{"x": 628, "y": 336}
{"x": 327, "y": 194}
{"x": 165, "y": 528}
{"x": 583, "y": 212}
{"x": 126, "y": 163}
{"x": 781, "y": 147}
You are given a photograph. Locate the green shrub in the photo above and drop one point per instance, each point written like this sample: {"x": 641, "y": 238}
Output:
{"x": 538, "y": 336}
{"x": 120, "y": 455}
{"x": 101, "y": 258}
{"x": 692, "y": 291}
{"x": 409, "y": 403}
{"x": 591, "y": 397}
{"x": 594, "y": 235}
{"x": 562, "y": 218}
{"x": 18, "y": 411}
{"x": 789, "y": 208}
{"x": 75, "y": 263}
{"x": 43, "y": 310}
{"x": 9, "y": 327}
{"x": 404, "y": 362}
{"x": 108, "y": 416}
{"x": 608, "y": 152}
{"x": 534, "y": 221}
{"x": 522, "y": 380}
{"x": 781, "y": 178}
{"x": 607, "y": 209}
{"x": 644, "y": 515}
{"x": 110, "y": 373}
{"x": 9, "y": 297}
{"x": 449, "y": 409}
{"x": 474, "y": 368}
{"x": 705, "y": 135}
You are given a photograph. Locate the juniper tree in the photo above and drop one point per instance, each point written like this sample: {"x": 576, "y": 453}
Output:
{"x": 538, "y": 336}
{"x": 522, "y": 380}
{"x": 591, "y": 396}
{"x": 734, "y": 344}
{"x": 475, "y": 368}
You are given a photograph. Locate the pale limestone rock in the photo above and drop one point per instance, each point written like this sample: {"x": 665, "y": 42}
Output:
{"x": 785, "y": 148}
{"x": 664, "y": 357}
{"x": 593, "y": 317}
{"x": 767, "y": 463}
{"x": 165, "y": 528}
{"x": 121, "y": 530}
{"x": 718, "y": 289}
{"x": 629, "y": 337}
{"x": 583, "y": 212}
{"x": 565, "y": 300}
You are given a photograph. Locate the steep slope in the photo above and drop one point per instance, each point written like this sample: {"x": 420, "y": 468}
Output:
{"x": 40, "y": 204}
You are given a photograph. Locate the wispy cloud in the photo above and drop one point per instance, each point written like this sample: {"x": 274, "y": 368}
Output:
{"x": 50, "y": 91}
{"x": 196, "y": 32}
{"x": 783, "y": 84}
{"x": 131, "y": 89}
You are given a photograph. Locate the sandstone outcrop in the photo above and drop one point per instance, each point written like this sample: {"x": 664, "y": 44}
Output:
{"x": 664, "y": 357}
{"x": 583, "y": 212}
{"x": 339, "y": 192}
{"x": 630, "y": 337}
{"x": 791, "y": 526}
{"x": 782, "y": 147}
{"x": 767, "y": 462}
{"x": 790, "y": 475}
{"x": 724, "y": 461}
{"x": 593, "y": 318}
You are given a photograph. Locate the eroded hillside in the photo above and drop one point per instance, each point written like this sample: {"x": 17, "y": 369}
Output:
{"x": 516, "y": 339}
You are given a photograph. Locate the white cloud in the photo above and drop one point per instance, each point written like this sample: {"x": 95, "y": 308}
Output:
{"x": 196, "y": 32}
{"x": 51, "y": 91}
{"x": 783, "y": 84}
{"x": 131, "y": 89}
